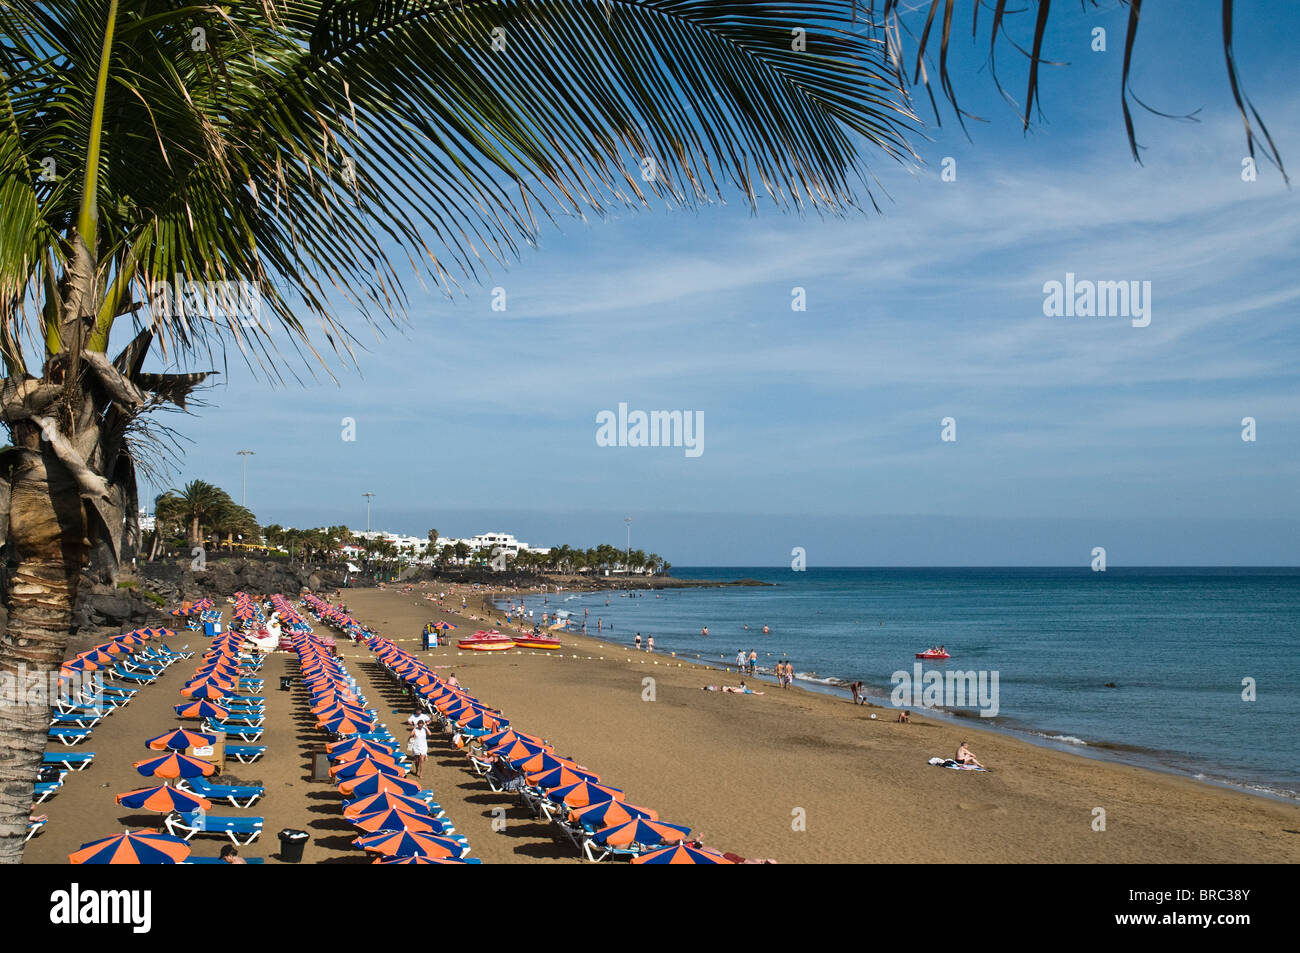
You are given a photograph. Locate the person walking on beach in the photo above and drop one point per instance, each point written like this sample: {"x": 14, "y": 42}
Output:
{"x": 740, "y": 659}
{"x": 753, "y": 662}
{"x": 856, "y": 688}
{"x": 638, "y": 641}
{"x": 418, "y": 744}
{"x": 650, "y": 643}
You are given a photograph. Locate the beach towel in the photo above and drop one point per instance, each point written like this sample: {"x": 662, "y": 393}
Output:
{"x": 950, "y": 763}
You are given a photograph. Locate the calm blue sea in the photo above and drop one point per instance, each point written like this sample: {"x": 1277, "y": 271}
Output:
{"x": 1175, "y": 643}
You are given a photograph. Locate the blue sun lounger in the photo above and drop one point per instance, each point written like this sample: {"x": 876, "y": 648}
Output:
{"x": 186, "y": 826}
{"x": 246, "y": 733}
{"x": 81, "y": 719}
{"x": 127, "y": 675}
{"x": 69, "y": 736}
{"x": 234, "y": 793}
{"x": 45, "y": 790}
{"x": 34, "y": 827}
{"x": 136, "y": 663}
{"x": 246, "y": 754}
{"x": 79, "y": 761}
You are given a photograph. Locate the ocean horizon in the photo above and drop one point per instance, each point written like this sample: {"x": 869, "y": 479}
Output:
{"x": 1148, "y": 665}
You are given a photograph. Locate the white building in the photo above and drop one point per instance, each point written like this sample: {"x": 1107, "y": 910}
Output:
{"x": 417, "y": 547}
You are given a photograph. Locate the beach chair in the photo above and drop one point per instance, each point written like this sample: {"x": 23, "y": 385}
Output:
{"x": 68, "y": 735}
{"x": 73, "y": 762}
{"x": 246, "y": 733}
{"x": 245, "y": 718}
{"x": 104, "y": 703}
{"x": 144, "y": 666}
{"x": 153, "y": 658}
{"x": 81, "y": 718}
{"x": 255, "y": 704}
{"x": 246, "y": 754}
{"x": 169, "y": 652}
{"x": 44, "y": 790}
{"x": 186, "y": 826}
{"x": 234, "y": 793}
{"x": 130, "y": 677}
{"x": 119, "y": 694}
{"x": 35, "y": 825}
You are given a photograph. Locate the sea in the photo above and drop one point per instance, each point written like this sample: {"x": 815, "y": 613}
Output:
{"x": 1190, "y": 670}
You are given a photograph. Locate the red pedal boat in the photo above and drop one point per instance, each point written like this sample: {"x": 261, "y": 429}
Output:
{"x": 491, "y": 641}
{"x": 933, "y": 655}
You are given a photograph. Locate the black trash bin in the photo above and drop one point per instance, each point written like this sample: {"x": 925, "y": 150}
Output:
{"x": 291, "y": 845}
{"x": 286, "y": 682}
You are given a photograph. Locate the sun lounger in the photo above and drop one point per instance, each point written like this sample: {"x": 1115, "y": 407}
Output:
{"x": 34, "y": 826}
{"x": 45, "y": 790}
{"x": 68, "y": 735}
{"x": 119, "y": 693}
{"x": 187, "y": 825}
{"x": 246, "y": 721}
{"x": 244, "y": 704}
{"x": 234, "y": 793}
{"x": 104, "y": 703}
{"x": 242, "y": 732}
{"x": 135, "y": 663}
{"x": 82, "y": 718}
{"x": 127, "y": 675}
{"x": 79, "y": 761}
{"x": 246, "y": 754}
{"x": 169, "y": 652}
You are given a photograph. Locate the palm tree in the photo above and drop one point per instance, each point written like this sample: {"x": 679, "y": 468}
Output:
{"x": 204, "y": 176}
{"x": 201, "y": 504}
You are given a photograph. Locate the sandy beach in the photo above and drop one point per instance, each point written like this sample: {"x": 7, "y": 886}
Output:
{"x": 794, "y": 775}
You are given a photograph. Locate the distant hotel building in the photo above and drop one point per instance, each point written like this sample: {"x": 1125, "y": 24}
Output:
{"x": 485, "y": 544}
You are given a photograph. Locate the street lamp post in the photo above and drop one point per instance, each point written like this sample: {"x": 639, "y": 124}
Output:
{"x": 627, "y": 566}
{"x": 369, "y": 497}
{"x": 243, "y": 481}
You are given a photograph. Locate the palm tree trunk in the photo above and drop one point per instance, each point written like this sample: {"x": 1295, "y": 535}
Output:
{"x": 47, "y": 542}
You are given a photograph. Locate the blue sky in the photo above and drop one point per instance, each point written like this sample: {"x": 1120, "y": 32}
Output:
{"x": 822, "y": 427}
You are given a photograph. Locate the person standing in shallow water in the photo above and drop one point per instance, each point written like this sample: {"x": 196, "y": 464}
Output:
{"x": 638, "y": 641}
{"x": 650, "y": 643}
{"x": 753, "y": 662}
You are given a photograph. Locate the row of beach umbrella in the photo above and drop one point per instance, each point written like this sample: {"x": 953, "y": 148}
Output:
{"x": 153, "y": 846}
{"x": 566, "y": 784}
{"x": 395, "y": 821}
